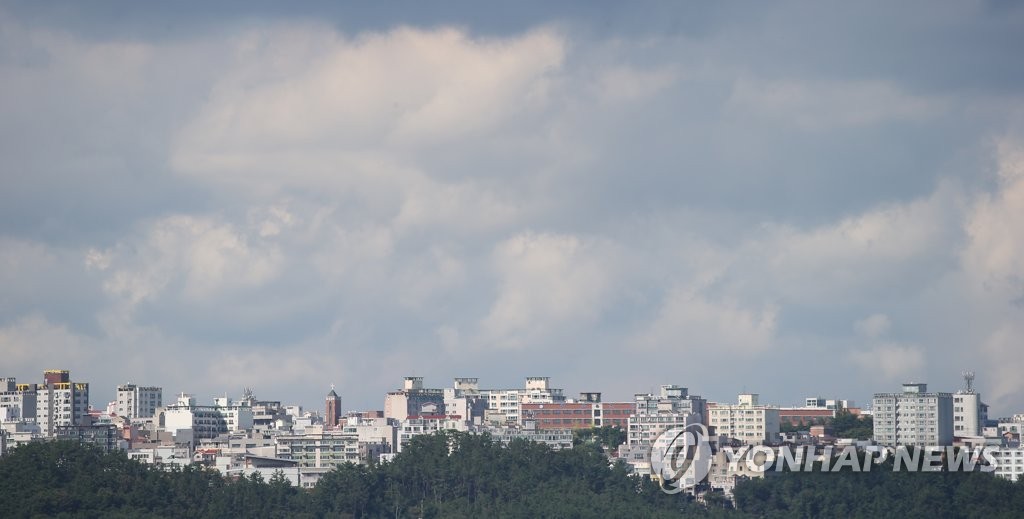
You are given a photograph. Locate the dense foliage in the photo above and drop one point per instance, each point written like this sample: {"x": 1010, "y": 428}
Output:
{"x": 609, "y": 437}
{"x": 462, "y": 475}
{"x": 444, "y": 475}
{"x": 848, "y": 425}
{"x": 881, "y": 492}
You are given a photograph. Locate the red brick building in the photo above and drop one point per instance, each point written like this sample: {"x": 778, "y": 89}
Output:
{"x": 584, "y": 414}
{"x": 805, "y": 416}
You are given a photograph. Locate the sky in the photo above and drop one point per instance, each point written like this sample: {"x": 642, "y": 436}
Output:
{"x": 788, "y": 198}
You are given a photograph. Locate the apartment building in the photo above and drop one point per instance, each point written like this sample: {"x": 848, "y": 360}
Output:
{"x": 747, "y": 420}
{"x": 206, "y": 421}
{"x": 61, "y": 402}
{"x": 17, "y": 401}
{"x": 913, "y": 417}
{"x": 137, "y": 402}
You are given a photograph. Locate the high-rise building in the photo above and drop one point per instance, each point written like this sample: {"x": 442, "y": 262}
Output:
{"x": 653, "y": 414}
{"x": 913, "y": 417}
{"x": 61, "y": 402}
{"x": 332, "y": 414}
{"x": 138, "y": 401}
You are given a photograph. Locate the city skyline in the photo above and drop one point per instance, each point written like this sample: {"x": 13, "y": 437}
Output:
{"x": 789, "y": 198}
{"x": 336, "y": 400}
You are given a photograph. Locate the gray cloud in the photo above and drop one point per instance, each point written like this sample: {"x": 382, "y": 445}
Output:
{"x": 785, "y": 199}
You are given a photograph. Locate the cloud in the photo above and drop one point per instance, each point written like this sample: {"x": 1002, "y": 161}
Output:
{"x": 307, "y": 107}
{"x": 304, "y": 202}
{"x": 546, "y": 281}
{"x": 203, "y": 256}
{"x": 688, "y": 321}
{"x": 993, "y": 264}
{"x": 873, "y": 326}
{"x": 890, "y": 362}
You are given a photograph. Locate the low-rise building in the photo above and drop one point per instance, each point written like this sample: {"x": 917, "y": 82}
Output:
{"x": 587, "y": 412}
{"x": 205, "y": 421}
{"x": 747, "y": 421}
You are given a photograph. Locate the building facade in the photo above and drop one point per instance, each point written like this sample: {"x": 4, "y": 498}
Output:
{"x": 206, "y": 422}
{"x": 136, "y": 402}
{"x": 17, "y": 401}
{"x": 61, "y": 402}
{"x": 581, "y": 414}
{"x": 413, "y": 400}
{"x": 747, "y": 420}
{"x": 913, "y": 417}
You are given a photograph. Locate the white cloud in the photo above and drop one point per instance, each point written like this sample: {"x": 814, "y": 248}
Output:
{"x": 993, "y": 278}
{"x": 895, "y": 247}
{"x": 873, "y": 326}
{"x": 546, "y": 281}
{"x": 689, "y": 321}
{"x": 33, "y": 343}
{"x": 892, "y": 363}
{"x": 323, "y": 108}
{"x": 206, "y": 256}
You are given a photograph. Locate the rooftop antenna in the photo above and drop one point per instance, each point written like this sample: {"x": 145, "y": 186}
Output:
{"x": 969, "y": 380}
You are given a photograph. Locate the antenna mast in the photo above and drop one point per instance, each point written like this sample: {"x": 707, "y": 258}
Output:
{"x": 969, "y": 380}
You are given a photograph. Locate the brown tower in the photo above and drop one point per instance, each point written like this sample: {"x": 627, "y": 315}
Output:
{"x": 333, "y": 413}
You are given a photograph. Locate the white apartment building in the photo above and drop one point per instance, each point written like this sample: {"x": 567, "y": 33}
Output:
{"x": 465, "y": 401}
{"x": 556, "y": 439}
{"x": 747, "y": 420}
{"x": 371, "y": 430}
{"x": 206, "y": 421}
{"x": 670, "y": 399}
{"x": 507, "y": 402}
{"x": 832, "y": 404}
{"x": 913, "y": 417}
{"x": 969, "y": 414}
{"x": 17, "y": 401}
{"x": 60, "y": 402}
{"x": 413, "y": 427}
{"x": 1014, "y": 424}
{"x": 645, "y": 428}
{"x": 136, "y": 402}
{"x": 413, "y": 400}
{"x": 1009, "y": 462}
{"x": 319, "y": 448}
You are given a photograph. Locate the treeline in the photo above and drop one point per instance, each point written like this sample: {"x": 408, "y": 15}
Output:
{"x": 463, "y": 475}
{"x": 443, "y": 475}
{"x": 880, "y": 492}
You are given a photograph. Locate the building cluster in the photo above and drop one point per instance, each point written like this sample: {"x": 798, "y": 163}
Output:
{"x": 241, "y": 436}
{"x": 916, "y": 416}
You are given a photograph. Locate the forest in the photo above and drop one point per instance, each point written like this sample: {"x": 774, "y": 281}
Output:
{"x": 465, "y": 475}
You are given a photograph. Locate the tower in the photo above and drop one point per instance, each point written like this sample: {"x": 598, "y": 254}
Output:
{"x": 332, "y": 415}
